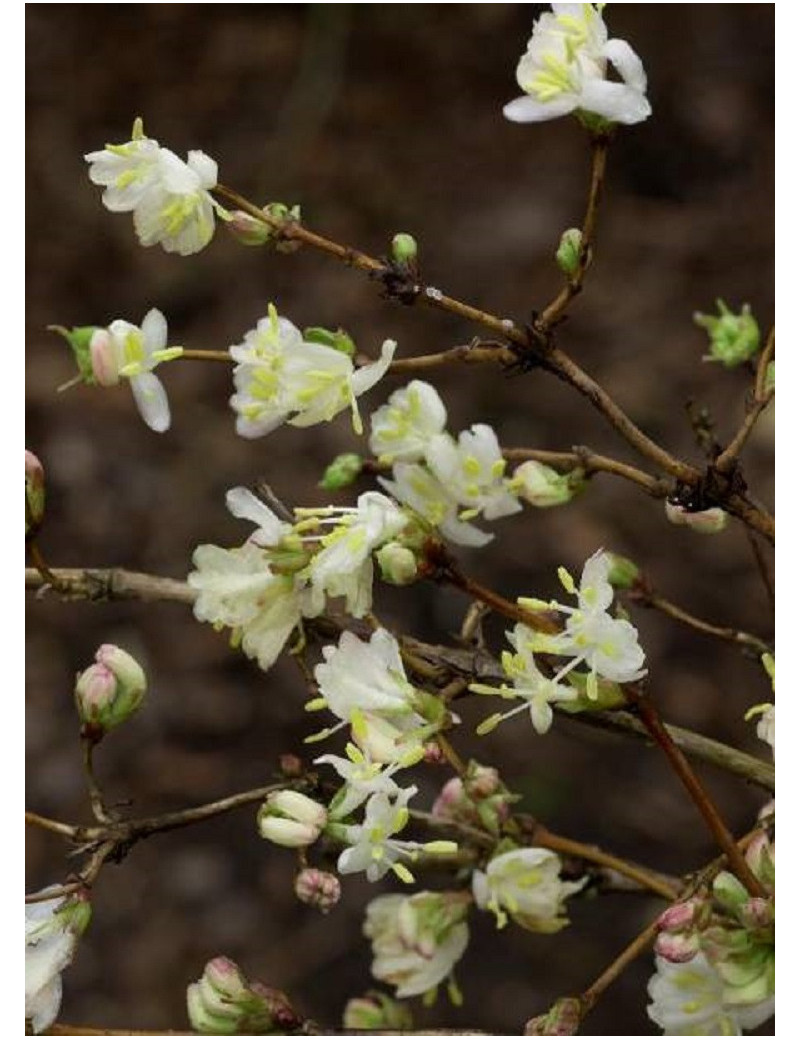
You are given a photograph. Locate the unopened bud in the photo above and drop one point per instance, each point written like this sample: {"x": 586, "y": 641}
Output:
{"x": 34, "y": 493}
{"x": 336, "y": 340}
{"x": 760, "y": 857}
{"x": 677, "y": 948}
{"x": 224, "y": 976}
{"x": 544, "y": 487}
{"x": 317, "y": 888}
{"x": 342, "y": 472}
{"x": 729, "y": 891}
{"x": 758, "y": 914}
{"x": 703, "y": 521}
{"x": 733, "y": 338}
{"x": 291, "y": 819}
{"x": 680, "y": 916}
{"x": 568, "y": 254}
{"x": 563, "y": 1019}
{"x": 250, "y": 231}
{"x": 376, "y": 1011}
{"x": 104, "y": 358}
{"x": 398, "y": 564}
{"x": 404, "y": 249}
{"x": 223, "y": 1003}
{"x": 291, "y": 766}
{"x": 623, "y": 573}
{"x": 108, "y": 692}
{"x": 433, "y": 754}
{"x": 482, "y": 781}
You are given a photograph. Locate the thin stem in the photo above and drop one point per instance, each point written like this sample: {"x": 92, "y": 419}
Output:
{"x": 761, "y": 398}
{"x": 763, "y": 567}
{"x": 41, "y": 565}
{"x": 556, "y": 308}
{"x": 591, "y": 463}
{"x": 646, "y": 598}
{"x": 99, "y": 810}
{"x": 206, "y": 355}
{"x": 65, "y": 830}
{"x": 591, "y": 854}
{"x": 643, "y": 941}
{"x": 451, "y": 754}
{"x": 705, "y": 806}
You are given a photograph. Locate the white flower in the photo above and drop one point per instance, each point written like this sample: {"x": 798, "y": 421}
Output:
{"x": 131, "y": 351}
{"x": 472, "y": 471}
{"x": 689, "y": 1000}
{"x": 236, "y": 587}
{"x": 362, "y": 778}
{"x": 52, "y": 930}
{"x": 525, "y": 884}
{"x": 536, "y": 690}
{"x": 564, "y": 70}
{"x": 371, "y": 847}
{"x": 416, "y": 940}
{"x": 403, "y": 427}
{"x": 765, "y": 728}
{"x": 169, "y": 198}
{"x": 415, "y": 486}
{"x": 126, "y": 171}
{"x": 291, "y": 819}
{"x": 270, "y": 529}
{"x": 343, "y": 567}
{"x": 608, "y": 646}
{"x": 281, "y": 378}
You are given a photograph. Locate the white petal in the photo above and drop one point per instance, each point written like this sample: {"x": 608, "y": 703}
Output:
{"x": 176, "y": 176}
{"x": 244, "y": 505}
{"x": 151, "y": 400}
{"x": 368, "y": 375}
{"x": 205, "y": 168}
{"x": 528, "y": 110}
{"x": 627, "y": 63}
{"x": 43, "y": 1008}
{"x": 614, "y": 101}
{"x": 154, "y": 331}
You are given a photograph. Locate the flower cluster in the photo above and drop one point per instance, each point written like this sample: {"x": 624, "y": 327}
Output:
{"x": 564, "y": 69}
{"x": 224, "y": 1003}
{"x": 170, "y": 199}
{"x": 282, "y": 375}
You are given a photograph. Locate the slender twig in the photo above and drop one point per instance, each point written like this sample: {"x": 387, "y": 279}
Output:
{"x": 41, "y": 565}
{"x": 590, "y": 462}
{"x": 118, "y": 584}
{"x": 647, "y": 598}
{"x": 96, "y": 800}
{"x": 762, "y": 565}
{"x": 556, "y": 308}
{"x": 65, "y": 830}
{"x": 206, "y": 355}
{"x": 309, "y": 1029}
{"x": 726, "y": 461}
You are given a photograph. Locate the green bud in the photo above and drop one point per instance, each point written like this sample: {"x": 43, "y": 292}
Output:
{"x": 404, "y": 249}
{"x": 79, "y": 338}
{"x": 338, "y": 340}
{"x": 544, "y": 487}
{"x": 733, "y": 338}
{"x": 342, "y": 472}
{"x": 568, "y": 253}
{"x": 34, "y": 493}
{"x": 729, "y": 890}
{"x": 250, "y": 231}
{"x": 623, "y": 573}
{"x": 603, "y": 696}
{"x": 377, "y": 1011}
{"x": 398, "y": 564}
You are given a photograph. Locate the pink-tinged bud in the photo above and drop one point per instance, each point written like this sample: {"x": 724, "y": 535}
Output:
{"x": 103, "y": 355}
{"x": 226, "y": 978}
{"x": 376, "y": 1011}
{"x": 703, "y": 521}
{"x": 677, "y": 947}
{"x": 433, "y": 756}
{"x": 758, "y": 913}
{"x": 483, "y": 782}
{"x": 278, "y": 1007}
{"x": 247, "y": 230}
{"x": 223, "y": 1003}
{"x": 291, "y": 766}
{"x": 34, "y": 493}
{"x": 760, "y": 857}
{"x": 317, "y": 888}
{"x": 450, "y": 796}
{"x": 108, "y": 692}
{"x": 563, "y": 1019}
{"x": 680, "y": 916}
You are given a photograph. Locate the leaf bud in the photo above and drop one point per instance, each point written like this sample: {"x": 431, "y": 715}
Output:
{"x": 404, "y": 249}
{"x": 34, "y": 493}
{"x": 733, "y": 338}
{"x": 341, "y": 472}
{"x": 568, "y": 254}
{"x": 398, "y": 564}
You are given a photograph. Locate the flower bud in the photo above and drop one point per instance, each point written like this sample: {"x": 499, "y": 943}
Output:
{"x": 224, "y": 976}
{"x": 223, "y": 1003}
{"x": 108, "y": 692}
{"x": 104, "y": 358}
{"x": 760, "y": 858}
{"x": 341, "y": 472}
{"x": 34, "y": 493}
{"x": 729, "y": 890}
{"x": 758, "y": 914}
{"x": 404, "y": 249}
{"x": 623, "y": 573}
{"x": 291, "y": 766}
{"x": 317, "y": 888}
{"x": 563, "y": 1019}
{"x": 433, "y": 754}
{"x": 338, "y": 340}
{"x": 703, "y": 521}
{"x": 677, "y": 947}
{"x": 398, "y": 564}
{"x": 249, "y": 231}
{"x": 733, "y": 338}
{"x": 376, "y": 1011}
{"x": 482, "y": 781}
{"x": 681, "y": 916}
{"x": 568, "y": 253}
{"x": 542, "y": 486}
{"x": 291, "y": 819}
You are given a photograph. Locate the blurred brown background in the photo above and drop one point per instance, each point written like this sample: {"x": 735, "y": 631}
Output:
{"x": 378, "y": 118}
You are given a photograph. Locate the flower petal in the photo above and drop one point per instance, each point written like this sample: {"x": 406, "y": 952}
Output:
{"x": 616, "y": 102}
{"x": 151, "y": 400}
{"x": 627, "y": 63}
{"x": 154, "y": 331}
{"x": 528, "y": 110}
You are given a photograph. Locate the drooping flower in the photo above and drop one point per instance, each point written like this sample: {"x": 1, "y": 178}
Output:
{"x": 170, "y": 199}
{"x": 608, "y": 646}
{"x": 472, "y": 471}
{"x": 525, "y": 885}
{"x": 416, "y": 940}
{"x": 132, "y": 352}
{"x": 372, "y": 847}
{"x": 415, "y": 486}
{"x": 404, "y": 426}
{"x": 52, "y": 929}
{"x": 565, "y": 66}
{"x": 535, "y": 689}
{"x": 281, "y": 377}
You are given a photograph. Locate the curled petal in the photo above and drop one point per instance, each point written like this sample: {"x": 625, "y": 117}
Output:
{"x": 151, "y": 400}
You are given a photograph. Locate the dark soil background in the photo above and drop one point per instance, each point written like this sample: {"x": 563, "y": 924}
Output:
{"x": 378, "y": 118}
